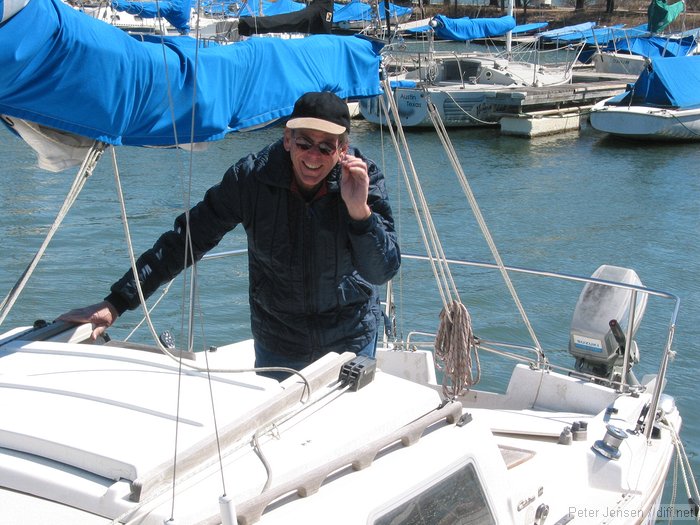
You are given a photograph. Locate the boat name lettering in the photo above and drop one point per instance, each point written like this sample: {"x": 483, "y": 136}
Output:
{"x": 412, "y": 101}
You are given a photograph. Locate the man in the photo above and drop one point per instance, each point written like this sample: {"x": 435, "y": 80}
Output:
{"x": 321, "y": 240}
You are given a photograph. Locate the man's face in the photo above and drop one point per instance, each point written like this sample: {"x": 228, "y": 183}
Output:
{"x": 313, "y": 153}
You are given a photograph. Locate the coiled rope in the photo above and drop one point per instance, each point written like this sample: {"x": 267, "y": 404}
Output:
{"x": 455, "y": 344}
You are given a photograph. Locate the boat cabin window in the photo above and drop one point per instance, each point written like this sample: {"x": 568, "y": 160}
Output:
{"x": 458, "y": 71}
{"x": 455, "y": 499}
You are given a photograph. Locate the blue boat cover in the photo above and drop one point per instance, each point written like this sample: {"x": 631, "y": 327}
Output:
{"x": 528, "y": 28}
{"x": 68, "y": 71}
{"x": 578, "y": 29}
{"x": 271, "y": 7}
{"x": 592, "y": 35}
{"x": 463, "y": 29}
{"x": 654, "y": 46}
{"x": 357, "y": 10}
{"x": 177, "y": 12}
{"x": 670, "y": 82}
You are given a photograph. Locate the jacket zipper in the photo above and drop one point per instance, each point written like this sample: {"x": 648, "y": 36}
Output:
{"x": 308, "y": 281}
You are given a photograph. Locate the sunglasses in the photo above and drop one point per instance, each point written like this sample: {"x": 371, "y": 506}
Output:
{"x": 324, "y": 148}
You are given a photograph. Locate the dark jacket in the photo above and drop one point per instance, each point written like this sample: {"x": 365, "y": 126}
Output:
{"x": 313, "y": 272}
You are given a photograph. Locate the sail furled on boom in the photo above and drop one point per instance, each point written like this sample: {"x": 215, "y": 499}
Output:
{"x": 66, "y": 70}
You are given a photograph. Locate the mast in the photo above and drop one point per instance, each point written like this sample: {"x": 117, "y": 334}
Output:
{"x": 509, "y": 34}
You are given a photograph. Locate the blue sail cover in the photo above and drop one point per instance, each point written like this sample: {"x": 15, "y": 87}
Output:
{"x": 669, "y": 82}
{"x": 592, "y": 35}
{"x": 528, "y": 28}
{"x": 68, "y": 71}
{"x": 571, "y": 32}
{"x": 177, "y": 12}
{"x": 463, "y": 29}
{"x": 360, "y": 11}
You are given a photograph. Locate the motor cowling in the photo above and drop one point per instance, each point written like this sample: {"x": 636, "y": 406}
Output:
{"x": 600, "y": 323}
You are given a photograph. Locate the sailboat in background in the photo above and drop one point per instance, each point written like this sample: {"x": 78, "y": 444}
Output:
{"x": 631, "y": 49}
{"x": 363, "y": 16}
{"x": 460, "y": 85}
{"x": 663, "y": 104}
{"x": 220, "y": 22}
{"x": 117, "y": 432}
{"x": 170, "y": 17}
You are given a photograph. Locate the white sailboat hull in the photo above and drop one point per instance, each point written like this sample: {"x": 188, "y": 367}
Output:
{"x": 462, "y": 89}
{"x": 643, "y": 122}
{"x": 457, "y": 107}
{"x": 87, "y": 432}
{"x": 618, "y": 63}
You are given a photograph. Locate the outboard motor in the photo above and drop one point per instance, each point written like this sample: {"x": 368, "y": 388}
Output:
{"x": 599, "y": 326}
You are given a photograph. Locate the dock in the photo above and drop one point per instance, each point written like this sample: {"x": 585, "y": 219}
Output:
{"x": 534, "y": 111}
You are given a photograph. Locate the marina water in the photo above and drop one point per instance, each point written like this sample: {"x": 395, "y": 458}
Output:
{"x": 564, "y": 203}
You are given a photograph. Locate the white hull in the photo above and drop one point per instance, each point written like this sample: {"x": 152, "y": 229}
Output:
{"x": 457, "y": 107}
{"x": 87, "y": 437}
{"x": 642, "y": 122}
{"x": 462, "y": 90}
{"x": 618, "y": 63}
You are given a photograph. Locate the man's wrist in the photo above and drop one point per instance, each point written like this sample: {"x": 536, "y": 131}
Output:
{"x": 361, "y": 215}
{"x": 119, "y": 304}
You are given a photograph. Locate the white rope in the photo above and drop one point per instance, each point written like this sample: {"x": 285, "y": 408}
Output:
{"x": 455, "y": 342}
{"x": 146, "y": 311}
{"x": 426, "y": 225}
{"x": 686, "y": 470}
{"x": 454, "y": 346}
{"x": 452, "y": 154}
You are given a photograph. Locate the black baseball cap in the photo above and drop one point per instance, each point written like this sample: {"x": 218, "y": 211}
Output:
{"x": 320, "y": 111}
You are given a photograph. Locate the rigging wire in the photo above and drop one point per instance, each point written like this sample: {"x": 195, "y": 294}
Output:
{"x": 450, "y": 339}
{"x": 171, "y": 108}
{"x": 452, "y": 154}
{"x": 686, "y": 470}
{"x": 86, "y": 169}
{"x": 193, "y": 295}
{"x": 454, "y": 347}
{"x": 416, "y": 195}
